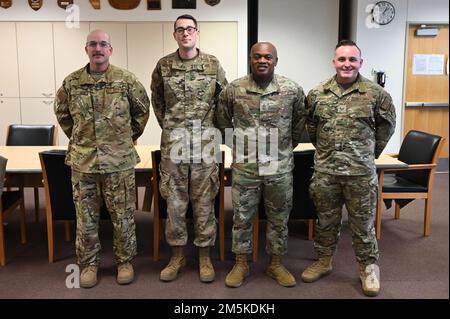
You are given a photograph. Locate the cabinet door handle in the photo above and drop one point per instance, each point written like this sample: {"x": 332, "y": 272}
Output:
{"x": 47, "y": 94}
{"x": 47, "y": 102}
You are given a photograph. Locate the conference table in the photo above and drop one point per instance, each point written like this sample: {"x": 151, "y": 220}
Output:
{"x": 24, "y": 169}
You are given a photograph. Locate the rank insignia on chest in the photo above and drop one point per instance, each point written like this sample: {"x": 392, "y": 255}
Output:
{"x": 342, "y": 108}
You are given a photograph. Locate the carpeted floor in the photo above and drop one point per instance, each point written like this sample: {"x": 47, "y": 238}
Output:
{"x": 412, "y": 266}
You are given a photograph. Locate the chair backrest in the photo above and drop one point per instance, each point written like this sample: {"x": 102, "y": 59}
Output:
{"x": 3, "y": 162}
{"x": 418, "y": 148}
{"x": 31, "y": 135}
{"x": 162, "y": 204}
{"x": 302, "y": 205}
{"x": 58, "y": 185}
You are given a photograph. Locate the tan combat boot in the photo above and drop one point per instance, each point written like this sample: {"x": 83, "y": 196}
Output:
{"x": 278, "y": 272}
{"x": 125, "y": 274}
{"x": 240, "y": 270}
{"x": 176, "y": 264}
{"x": 88, "y": 276}
{"x": 370, "y": 279}
{"x": 318, "y": 269}
{"x": 205, "y": 266}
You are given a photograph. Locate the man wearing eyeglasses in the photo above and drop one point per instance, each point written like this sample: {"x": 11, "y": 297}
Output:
{"x": 103, "y": 109}
{"x": 185, "y": 88}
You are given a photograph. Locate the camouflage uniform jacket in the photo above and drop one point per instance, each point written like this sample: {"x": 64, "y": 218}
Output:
{"x": 184, "y": 91}
{"x": 243, "y": 105}
{"x": 102, "y": 119}
{"x": 349, "y": 128}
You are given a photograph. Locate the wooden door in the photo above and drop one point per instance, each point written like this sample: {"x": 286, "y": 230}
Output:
{"x": 429, "y": 89}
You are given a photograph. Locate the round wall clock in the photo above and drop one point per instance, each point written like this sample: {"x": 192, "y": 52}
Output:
{"x": 383, "y": 12}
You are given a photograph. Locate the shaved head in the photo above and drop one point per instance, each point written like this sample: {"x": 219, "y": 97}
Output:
{"x": 263, "y": 59}
{"x": 97, "y": 33}
{"x": 98, "y": 48}
{"x": 268, "y": 45}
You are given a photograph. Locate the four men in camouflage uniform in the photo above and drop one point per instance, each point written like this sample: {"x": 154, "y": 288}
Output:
{"x": 269, "y": 110}
{"x": 103, "y": 110}
{"x": 185, "y": 88}
{"x": 350, "y": 121}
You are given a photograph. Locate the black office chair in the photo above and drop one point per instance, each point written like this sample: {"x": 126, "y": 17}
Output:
{"x": 58, "y": 194}
{"x": 160, "y": 206}
{"x": 302, "y": 205}
{"x": 31, "y": 135}
{"x": 420, "y": 151}
{"x": 9, "y": 201}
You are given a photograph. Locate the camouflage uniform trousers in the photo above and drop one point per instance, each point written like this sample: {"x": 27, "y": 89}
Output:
{"x": 246, "y": 194}
{"x": 118, "y": 192}
{"x": 199, "y": 183}
{"x": 359, "y": 194}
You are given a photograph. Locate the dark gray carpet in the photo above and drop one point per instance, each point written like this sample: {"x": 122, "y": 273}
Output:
{"x": 412, "y": 266}
{"x": 442, "y": 165}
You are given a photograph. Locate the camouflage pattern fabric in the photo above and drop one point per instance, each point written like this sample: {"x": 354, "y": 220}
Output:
{"x": 330, "y": 193}
{"x": 280, "y": 106}
{"x": 118, "y": 192}
{"x": 246, "y": 194}
{"x": 200, "y": 184}
{"x": 245, "y": 105}
{"x": 185, "y": 92}
{"x": 349, "y": 128}
{"x": 102, "y": 118}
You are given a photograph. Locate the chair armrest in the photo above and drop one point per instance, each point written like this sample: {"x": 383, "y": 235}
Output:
{"x": 411, "y": 167}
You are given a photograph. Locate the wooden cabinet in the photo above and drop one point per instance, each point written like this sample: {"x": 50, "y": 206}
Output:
{"x": 169, "y": 43}
{"x": 10, "y": 114}
{"x": 37, "y": 111}
{"x": 69, "y": 49}
{"x": 9, "y": 79}
{"x": 221, "y": 39}
{"x": 145, "y": 48}
{"x": 35, "y": 59}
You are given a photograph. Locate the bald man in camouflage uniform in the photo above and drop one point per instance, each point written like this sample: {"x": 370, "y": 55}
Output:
{"x": 350, "y": 121}
{"x": 262, "y": 103}
{"x": 185, "y": 88}
{"x": 103, "y": 109}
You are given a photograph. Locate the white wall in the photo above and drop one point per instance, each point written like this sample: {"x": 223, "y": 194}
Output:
{"x": 385, "y": 47}
{"x": 304, "y": 33}
{"x": 226, "y": 10}
{"x": 428, "y": 11}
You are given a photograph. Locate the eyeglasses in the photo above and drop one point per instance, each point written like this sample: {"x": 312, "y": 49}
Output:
{"x": 190, "y": 30}
{"x": 102, "y": 44}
